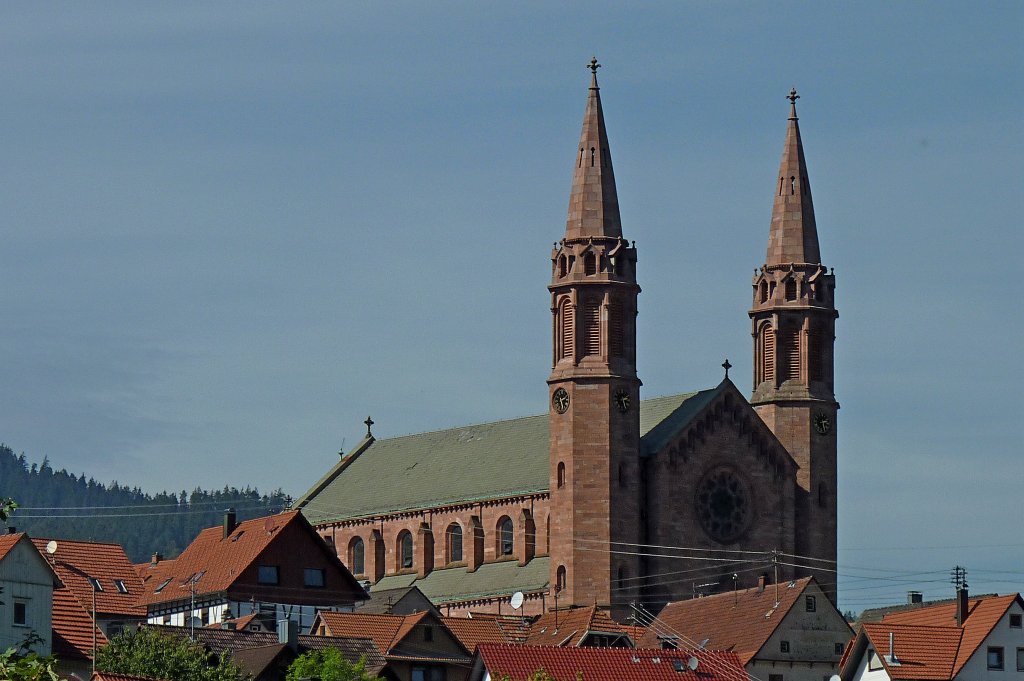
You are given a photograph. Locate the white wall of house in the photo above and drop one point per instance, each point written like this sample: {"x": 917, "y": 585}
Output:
{"x": 870, "y": 667}
{"x": 212, "y": 613}
{"x": 815, "y": 641}
{"x": 1010, "y": 639}
{"x": 25, "y": 579}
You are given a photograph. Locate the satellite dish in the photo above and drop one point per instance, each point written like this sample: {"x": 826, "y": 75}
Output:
{"x": 835, "y": 677}
{"x": 517, "y": 600}
{"x": 693, "y": 663}
{"x": 51, "y": 547}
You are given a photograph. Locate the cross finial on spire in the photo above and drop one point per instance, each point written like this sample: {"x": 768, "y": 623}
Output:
{"x": 368, "y": 422}
{"x": 726, "y": 365}
{"x": 593, "y": 66}
{"x": 792, "y": 96}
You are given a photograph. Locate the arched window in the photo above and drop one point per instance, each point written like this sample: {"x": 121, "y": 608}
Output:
{"x": 404, "y": 550}
{"x": 782, "y": 180}
{"x": 790, "y": 289}
{"x": 767, "y": 354}
{"x": 792, "y": 185}
{"x": 621, "y": 578}
{"x": 357, "y": 556}
{"x": 566, "y": 318}
{"x": 589, "y": 264}
{"x": 560, "y": 578}
{"x": 453, "y": 539}
{"x": 547, "y": 535}
{"x": 592, "y": 327}
{"x": 562, "y": 266}
{"x": 506, "y": 534}
{"x": 764, "y": 291}
{"x": 822, "y": 495}
{"x": 789, "y": 353}
{"x": 581, "y": 157}
{"x": 592, "y": 156}
{"x": 615, "y": 330}
{"x": 816, "y": 353}
{"x": 561, "y": 475}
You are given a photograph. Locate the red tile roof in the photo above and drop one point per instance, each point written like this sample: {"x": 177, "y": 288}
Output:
{"x": 569, "y": 627}
{"x": 7, "y": 542}
{"x": 72, "y": 628}
{"x": 76, "y": 561}
{"x": 923, "y": 652}
{"x": 219, "y": 562}
{"x": 609, "y": 664}
{"x": 386, "y": 631}
{"x": 982, "y": 616}
{"x": 741, "y": 621}
{"x": 471, "y": 632}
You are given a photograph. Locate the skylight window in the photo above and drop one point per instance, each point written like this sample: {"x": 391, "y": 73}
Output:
{"x": 96, "y": 586}
{"x": 162, "y": 585}
{"x": 119, "y": 583}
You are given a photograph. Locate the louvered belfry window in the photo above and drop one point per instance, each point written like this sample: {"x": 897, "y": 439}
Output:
{"x": 566, "y": 318}
{"x": 768, "y": 353}
{"x": 592, "y": 327}
{"x": 815, "y": 354}
{"x": 789, "y": 348}
{"x": 615, "y": 330}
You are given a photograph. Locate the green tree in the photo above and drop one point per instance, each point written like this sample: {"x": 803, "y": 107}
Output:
{"x": 328, "y": 665}
{"x": 31, "y": 667}
{"x": 146, "y": 652}
{"x": 7, "y": 507}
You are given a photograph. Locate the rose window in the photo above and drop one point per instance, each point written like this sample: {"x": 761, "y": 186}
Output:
{"x": 723, "y": 505}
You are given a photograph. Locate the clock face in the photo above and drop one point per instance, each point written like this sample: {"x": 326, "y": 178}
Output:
{"x": 822, "y": 423}
{"x": 560, "y": 401}
{"x": 622, "y": 401}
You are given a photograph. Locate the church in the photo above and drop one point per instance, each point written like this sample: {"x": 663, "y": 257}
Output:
{"x": 609, "y": 499}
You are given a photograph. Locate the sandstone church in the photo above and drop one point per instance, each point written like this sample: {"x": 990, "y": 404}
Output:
{"x": 609, "y": 499}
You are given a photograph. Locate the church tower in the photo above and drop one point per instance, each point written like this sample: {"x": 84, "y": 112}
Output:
{"x": 593, "y": 388}
{"x": 793, "y": 317}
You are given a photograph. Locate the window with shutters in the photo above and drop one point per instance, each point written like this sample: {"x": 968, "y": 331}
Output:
{"x": 767, "y": 353}
{"x": 615, "y": 330}
{"x": 789, "y": 352}
{"x": 567, "y": 323}
{"x": 592, "y": 327}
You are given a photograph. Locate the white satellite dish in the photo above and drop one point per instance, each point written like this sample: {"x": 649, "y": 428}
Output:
{"x": 835, "y": 677}
{"x": 693, "y": 663}
{"x": 517, "y": 600}
{"x": 51, "y": 547}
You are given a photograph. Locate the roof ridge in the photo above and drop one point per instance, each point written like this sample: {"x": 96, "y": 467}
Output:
{"x": 520, "y": 418}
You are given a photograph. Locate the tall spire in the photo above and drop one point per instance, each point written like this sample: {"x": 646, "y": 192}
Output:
{"x": 793, "y": 237}
{"x": 593, "y": 203}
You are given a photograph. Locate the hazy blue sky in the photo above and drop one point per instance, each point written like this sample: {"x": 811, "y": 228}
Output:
{"x": 231, "y": 231}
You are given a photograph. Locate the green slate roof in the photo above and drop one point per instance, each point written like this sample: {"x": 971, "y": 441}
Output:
{"x": 450, "y": 585}
{"x": 468, "y": 464}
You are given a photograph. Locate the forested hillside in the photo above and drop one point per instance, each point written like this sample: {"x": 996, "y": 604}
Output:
{"x": 59, "y": 504}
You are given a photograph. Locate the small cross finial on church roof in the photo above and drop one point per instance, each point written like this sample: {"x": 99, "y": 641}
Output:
{"x": 792, "y": 96}
{"x": 593, "y": 65}
{"x": 368, "y": 422}
{"x": 726, "y": 366}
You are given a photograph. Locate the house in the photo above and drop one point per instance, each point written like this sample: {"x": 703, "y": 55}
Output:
{"x": 781, "y": 632}
{"x": 979, "y": 638}
{"x": 590, "y": 627}
{"x": 418, "y": 647}
{"x": 488, "y": 628}
{"x": 473, "y": 514}
{"x": 27, "y": 584}
{"x": 74, "y": 636}
{"x": 97, "y": 574}
{"x": 266, "y": 656}
{"x": 401, "y": 601}
{"x": 495, "y": 662}
{"x": 277, "y": 567}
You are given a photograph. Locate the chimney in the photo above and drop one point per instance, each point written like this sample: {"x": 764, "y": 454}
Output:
{"x": 288, "y": 633}
{"x": 12, "y": 530}
{"x": 760, "y": 582}
{"x": 961, "y": 605}
{"x": 230, "y": 522}
{"x": 156, "y": 558}
{"x": 914, "y": 598}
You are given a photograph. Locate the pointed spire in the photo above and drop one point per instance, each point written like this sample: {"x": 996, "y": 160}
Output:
{"x": 794, "y": 236}
{"x": 593, "y": 203}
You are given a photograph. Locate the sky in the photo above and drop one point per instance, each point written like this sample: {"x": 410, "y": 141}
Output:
{"x": 232, "y": 231}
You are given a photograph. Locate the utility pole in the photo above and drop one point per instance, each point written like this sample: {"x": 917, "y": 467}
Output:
{"x": 775, "y": 564}
{"x": 94, "y": 627}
